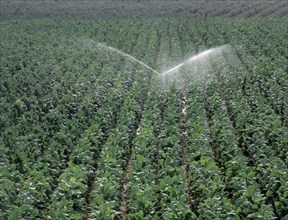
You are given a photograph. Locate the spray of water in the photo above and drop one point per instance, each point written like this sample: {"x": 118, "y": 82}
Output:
{"x": 105, "y": 47}
{"x": 195, "y": 58}
{"x": 197, "y": 68}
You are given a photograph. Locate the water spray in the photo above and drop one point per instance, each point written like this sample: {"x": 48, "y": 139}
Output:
{"x": 196, "y": 60}
{"x": 191, "y": 59}
{"x": 172, "y": 69}
{"x": 103, "y": 46}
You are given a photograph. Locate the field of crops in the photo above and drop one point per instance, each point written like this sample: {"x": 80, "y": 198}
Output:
{"x": 86, "y": 133}
{"x": 95, "y": 9}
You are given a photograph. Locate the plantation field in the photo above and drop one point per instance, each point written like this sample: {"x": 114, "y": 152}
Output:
{"x": 95, "y": 9}
{"x": 89, "y": 133}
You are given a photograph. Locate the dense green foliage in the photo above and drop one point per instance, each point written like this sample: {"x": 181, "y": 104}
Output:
{"x": 88, "y": 134}
{"x": 105, "y": 9}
